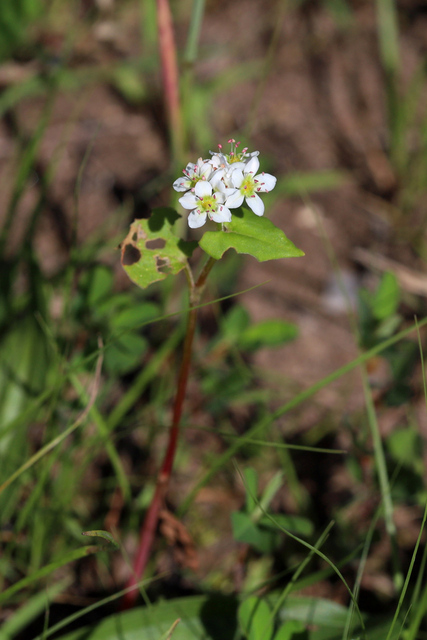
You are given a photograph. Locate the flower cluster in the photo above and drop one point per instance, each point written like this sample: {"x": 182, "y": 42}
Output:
{"x": 213, "y": 187}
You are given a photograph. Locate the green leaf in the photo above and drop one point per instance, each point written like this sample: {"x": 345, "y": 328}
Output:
{"x": 290, "y": 630}
{"x": 296, "y": 524}
{"x": 214, "y": 617}
{"x": 201, "y": 618}
{"x": 129, "y": 82}
{"x": 387, "y": 298}
{"x": 125, "y": 353}
{"x": 98, "y": 282}
{"x": 270, "y": 333}
{"x": 234, "y": 323}
{"x": 244, "y": 530}
{"x": 100, "y": 533}
{"x": 256, "y": 619}
{"x": 251, "y": 486}
{"x": 151, "y": 251}
{"x": 248, "y": 233}
{"x": 405, "y": 446}
{"x": 134, "y": 316}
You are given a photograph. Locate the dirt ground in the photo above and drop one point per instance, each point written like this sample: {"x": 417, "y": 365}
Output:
{"x": 322, "y": 107}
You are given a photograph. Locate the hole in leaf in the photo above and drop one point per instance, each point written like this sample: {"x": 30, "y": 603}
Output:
{"x": 130, "y": 255}
{"x": 162, "y": 264}
{"x": 135, "y": 237}
{"x": 158, "y": 243}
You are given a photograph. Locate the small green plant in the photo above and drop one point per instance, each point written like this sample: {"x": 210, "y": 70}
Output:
{"x": 252, "y": 524}
{"x": 115, "y": 316}
{"x": 380, "y": 319}
{"x": 225, "y": 190}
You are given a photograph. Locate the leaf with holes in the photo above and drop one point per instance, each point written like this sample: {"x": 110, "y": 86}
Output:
{"x": 151, "y": 251}
{"x": 248, "y": 233}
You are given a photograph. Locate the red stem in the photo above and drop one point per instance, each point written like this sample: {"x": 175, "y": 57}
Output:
{"x": 170, "y": 76}
{"x": 149, "y": 525}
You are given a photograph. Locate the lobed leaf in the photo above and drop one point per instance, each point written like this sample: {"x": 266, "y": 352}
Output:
{"x": 151, "y": 251}
{"x": 248, "y": 233}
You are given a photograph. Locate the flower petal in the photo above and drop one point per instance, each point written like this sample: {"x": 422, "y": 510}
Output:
{"x": 234, "y": 200}
{"x": 182, "y": 184}
{"x": 203, "y": 188}
{"x": 237, "y": 178}
{"x": 222, "y": 214}
{"x": 189, "y": 201}
{"x": 206, "y": 170}
{"x": 216, "y": 178}
{"x": 219, "y": 195}
{"x": 256, "y": 204}
{"x": 237, "y": 165}
{"x": 252, "y": 166}
{"x": 196, "y": 219}
{"x": 265, "y": 182}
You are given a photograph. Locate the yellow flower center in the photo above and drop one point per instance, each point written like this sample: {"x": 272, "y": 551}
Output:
{"x": 247, "y": 188}
{"x": 208, "y": 204}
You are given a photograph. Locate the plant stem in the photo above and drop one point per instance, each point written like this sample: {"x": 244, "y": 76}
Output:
{"x": 148, "y": 529}
{"x": 170, "y": 76}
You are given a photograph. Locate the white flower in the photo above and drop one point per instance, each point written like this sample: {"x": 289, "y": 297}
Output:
{"x": 247, "y": 185}
{"x": 234, "y": 157}
{"x": 202, "y": 170}
{"x": 205, "y": 201}
{"x": 213, "y": 187}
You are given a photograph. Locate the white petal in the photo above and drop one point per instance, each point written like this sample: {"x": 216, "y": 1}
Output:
{"x": 203, "y": 188}
{"x": 227, "y": 178}
{"x": 189, "y": 201}
{"x": 219, "y": 196}
{"x": 252, "y": 165}
{"x": 237, "y": 165}
{"x": 182, "y": 184}
{"x": 256, "y": 204}
{"x": 196, "y": 220}
{"x": 265, "y": 182}
{"x": 205, "y": 170}
{"x": 234, "y": 200}
{"x": 216, "y": 178}
{"x": 237, "y": 178}
{"x": 222, "y": 214}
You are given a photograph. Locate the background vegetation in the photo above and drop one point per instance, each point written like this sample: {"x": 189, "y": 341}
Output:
{"x": 297, "y": 505}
